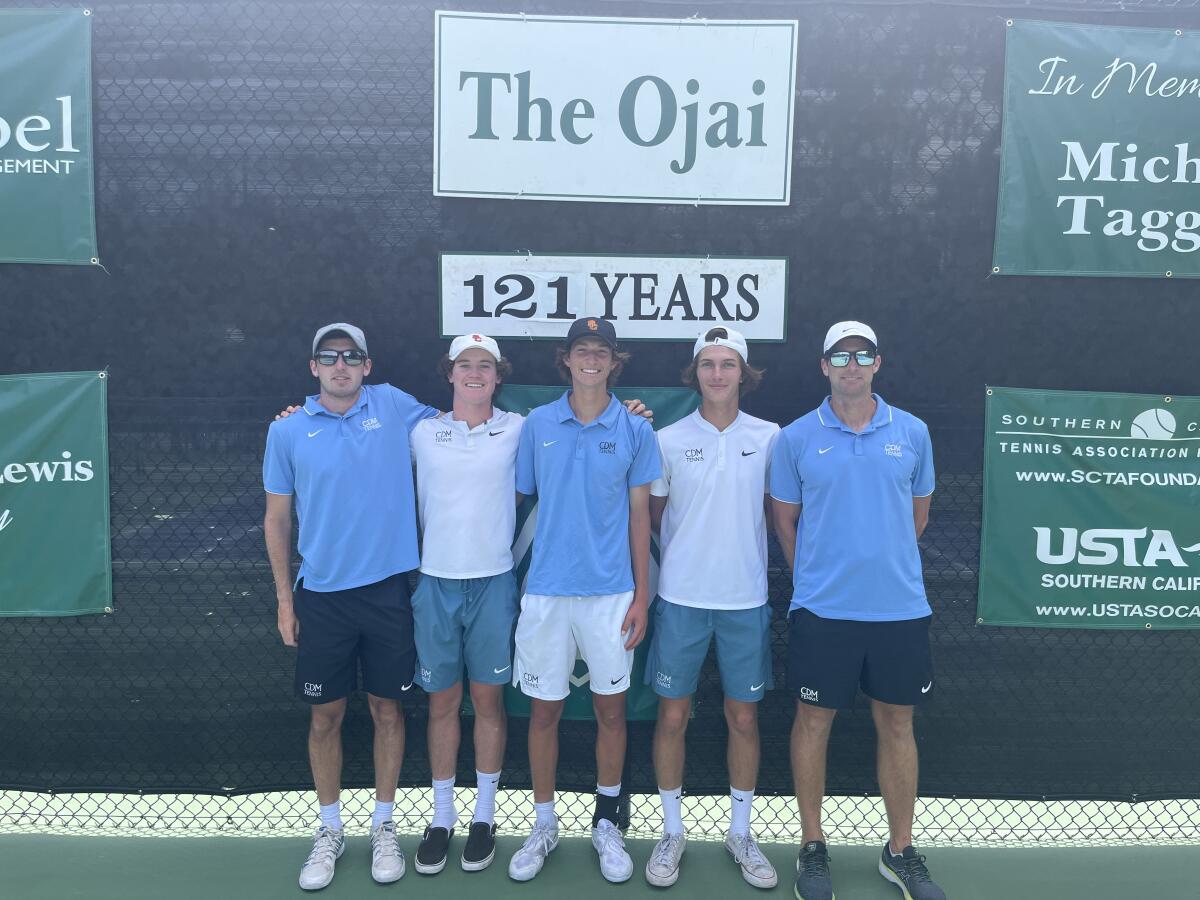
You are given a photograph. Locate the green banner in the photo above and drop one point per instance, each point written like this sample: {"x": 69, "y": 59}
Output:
{"x": 54, "y": 541}
{"x": 1100, "y": 157}
{"x": 669, "y": 406}
{"x": 1089, "y": 510}
{"x": 46, "y": 169}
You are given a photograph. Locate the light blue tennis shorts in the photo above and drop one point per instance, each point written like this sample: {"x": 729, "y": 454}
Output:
{"x": 464, "y": 621}
{"x": 680, "y": 644}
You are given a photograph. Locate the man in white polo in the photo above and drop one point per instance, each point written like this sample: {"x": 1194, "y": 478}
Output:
{"x": 709, "y": 509}
{"x": 862, "y": 473}
{"x": 465, "y": 605}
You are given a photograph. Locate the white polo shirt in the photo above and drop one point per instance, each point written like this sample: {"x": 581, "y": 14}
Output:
{"x": 466, "y": 494}
{"x": 714, "y": 530}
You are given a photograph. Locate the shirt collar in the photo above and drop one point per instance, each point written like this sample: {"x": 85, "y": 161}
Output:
{"x": 312, "y": 405}
{"x": 827, "y": 417}
{"x": 708, "y": 426}
{"x": 497, "y": 417}
{"x": 606, "y": 419}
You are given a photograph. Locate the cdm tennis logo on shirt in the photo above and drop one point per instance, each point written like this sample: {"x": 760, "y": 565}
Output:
{"x": 371, "y": 424}
{"x": 608, "y": 447}
{"x": 694, "y": 455}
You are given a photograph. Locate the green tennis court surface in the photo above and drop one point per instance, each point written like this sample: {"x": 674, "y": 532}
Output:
{"x": 47, "y": 867}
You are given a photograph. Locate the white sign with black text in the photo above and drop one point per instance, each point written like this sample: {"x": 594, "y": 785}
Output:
{"x": 617, "y": 109}
{"x": 662, "y": 298}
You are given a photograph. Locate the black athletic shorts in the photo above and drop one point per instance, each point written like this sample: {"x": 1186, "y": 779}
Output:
{"x": 829, "y": 659}
{"x": 371, "y": 625}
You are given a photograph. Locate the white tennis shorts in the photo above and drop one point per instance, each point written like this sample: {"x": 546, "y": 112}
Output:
{"x": 552, "y": 631}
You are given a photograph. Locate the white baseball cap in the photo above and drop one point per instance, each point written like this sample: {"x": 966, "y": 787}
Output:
{"x": 467, "y": 341}
{"x": 733, "y": 339}
{"x": 351, "y": 331}
{"x": 849, "y": 329}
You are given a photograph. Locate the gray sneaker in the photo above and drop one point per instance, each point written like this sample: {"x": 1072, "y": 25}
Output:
{"x": 662, "y": 868}
{"x": 907, "y": 871}
{"x": 317, "y": 870}
{"x": 812, "y": 873}
{"x": 387, "y": 859}
{"x": 756, "y": 868}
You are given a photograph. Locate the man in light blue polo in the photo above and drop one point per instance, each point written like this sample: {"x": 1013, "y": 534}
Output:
{"x": 350, "y": 604}
{"x": 591, "y": 466}
{"x": 856, "y": 476}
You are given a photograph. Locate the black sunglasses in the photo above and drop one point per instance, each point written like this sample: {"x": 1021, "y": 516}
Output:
{"x": 330, "y": 357}
{"x": 841, "y": 358}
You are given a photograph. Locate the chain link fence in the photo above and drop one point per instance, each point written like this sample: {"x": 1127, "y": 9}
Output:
{"x": 265, "y": 167}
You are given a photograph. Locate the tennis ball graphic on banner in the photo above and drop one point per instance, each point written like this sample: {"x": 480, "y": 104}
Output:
{"x": 1153, "y": 424}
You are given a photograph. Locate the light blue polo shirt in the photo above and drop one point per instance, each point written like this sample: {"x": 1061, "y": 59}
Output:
{"x": 856, "y": 547}
{"x": 352, "y": 480}
{"x": 582, "y": 475}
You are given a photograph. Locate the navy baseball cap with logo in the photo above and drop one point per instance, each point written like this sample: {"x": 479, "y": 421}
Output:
{"x": 593, "y": 328}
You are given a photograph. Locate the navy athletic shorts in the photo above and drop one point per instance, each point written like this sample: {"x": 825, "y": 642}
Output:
{"x": 371, "y": 626}
{"x": 829, "y": 659}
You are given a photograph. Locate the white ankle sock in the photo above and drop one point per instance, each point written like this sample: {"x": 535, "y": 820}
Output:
{"x": 485, "y": 798}
{"x": 545, "y": 813}
{"x": 672, "y": 808}
{"x": 445, "y": 813}
{"x": 739, "y": 810}
{"x": 382, "y": 813}
{"x": 331, "y": 815}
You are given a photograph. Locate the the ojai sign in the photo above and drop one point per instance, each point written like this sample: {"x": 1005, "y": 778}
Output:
{"x": 626, "y": 110}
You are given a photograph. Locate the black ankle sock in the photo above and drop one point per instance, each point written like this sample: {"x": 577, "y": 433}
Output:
{"x": 606, "y": 808}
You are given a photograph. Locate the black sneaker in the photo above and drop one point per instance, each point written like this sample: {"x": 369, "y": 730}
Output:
{"x": 908, "y": 873}
{"x": 431, "y": 852}
{"x": 481, "y": 847}
{"x": 812, "y": 873}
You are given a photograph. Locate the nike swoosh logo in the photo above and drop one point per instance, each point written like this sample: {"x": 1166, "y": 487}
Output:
{"x": 826, "y": 450}
{"x": 925, "y": 690}
{"x": 756, "y": 687}
{"x": 548, "y": 443}
{"x": 498, "y": 671}
{"x": 315, "y": 433}
{"x": 739, "y": 799}
{"x": 406, "y": 687}
{"x": 494, "y": 433}
{"x": 617, "y": 680}
{"x": 751, "y": 453}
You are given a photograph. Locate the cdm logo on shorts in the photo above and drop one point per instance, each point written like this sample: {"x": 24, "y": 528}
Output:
{"x": 531, "y": 679}
{"x": 807, "y": 693}
{"x": 312, "y": 690}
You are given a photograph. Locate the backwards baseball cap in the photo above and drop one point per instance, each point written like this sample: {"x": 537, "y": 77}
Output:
{"x": 351, "y": 331}
{"x": 849, "y": 329}
{"x": 593, "y": 328}
{"x": 467, "y": 341}
{"x": 734, "y": 340}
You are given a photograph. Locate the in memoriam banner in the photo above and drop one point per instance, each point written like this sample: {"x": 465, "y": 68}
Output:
{"x": 1100, "y": 155}
{"x": 669, "y": 405}
{"x": 1089, "y": 510}
{"x": 46, "y": 187}
{"x": 54, "y": 540}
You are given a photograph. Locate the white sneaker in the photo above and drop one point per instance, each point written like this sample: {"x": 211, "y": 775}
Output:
{"x": 317, "y": 870}
{"x": 756, "y": 868}
{"x": 387, "y": 859}
{"x": 662, "y": 868}
{"x": 615, "y": 864}
{"x": 528, "y": 861}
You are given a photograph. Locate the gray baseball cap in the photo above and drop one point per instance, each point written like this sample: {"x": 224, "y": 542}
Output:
{"x": 351, "y": 331}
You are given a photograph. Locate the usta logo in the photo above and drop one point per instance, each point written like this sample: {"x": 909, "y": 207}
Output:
{"x": 1134, "y": 547}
